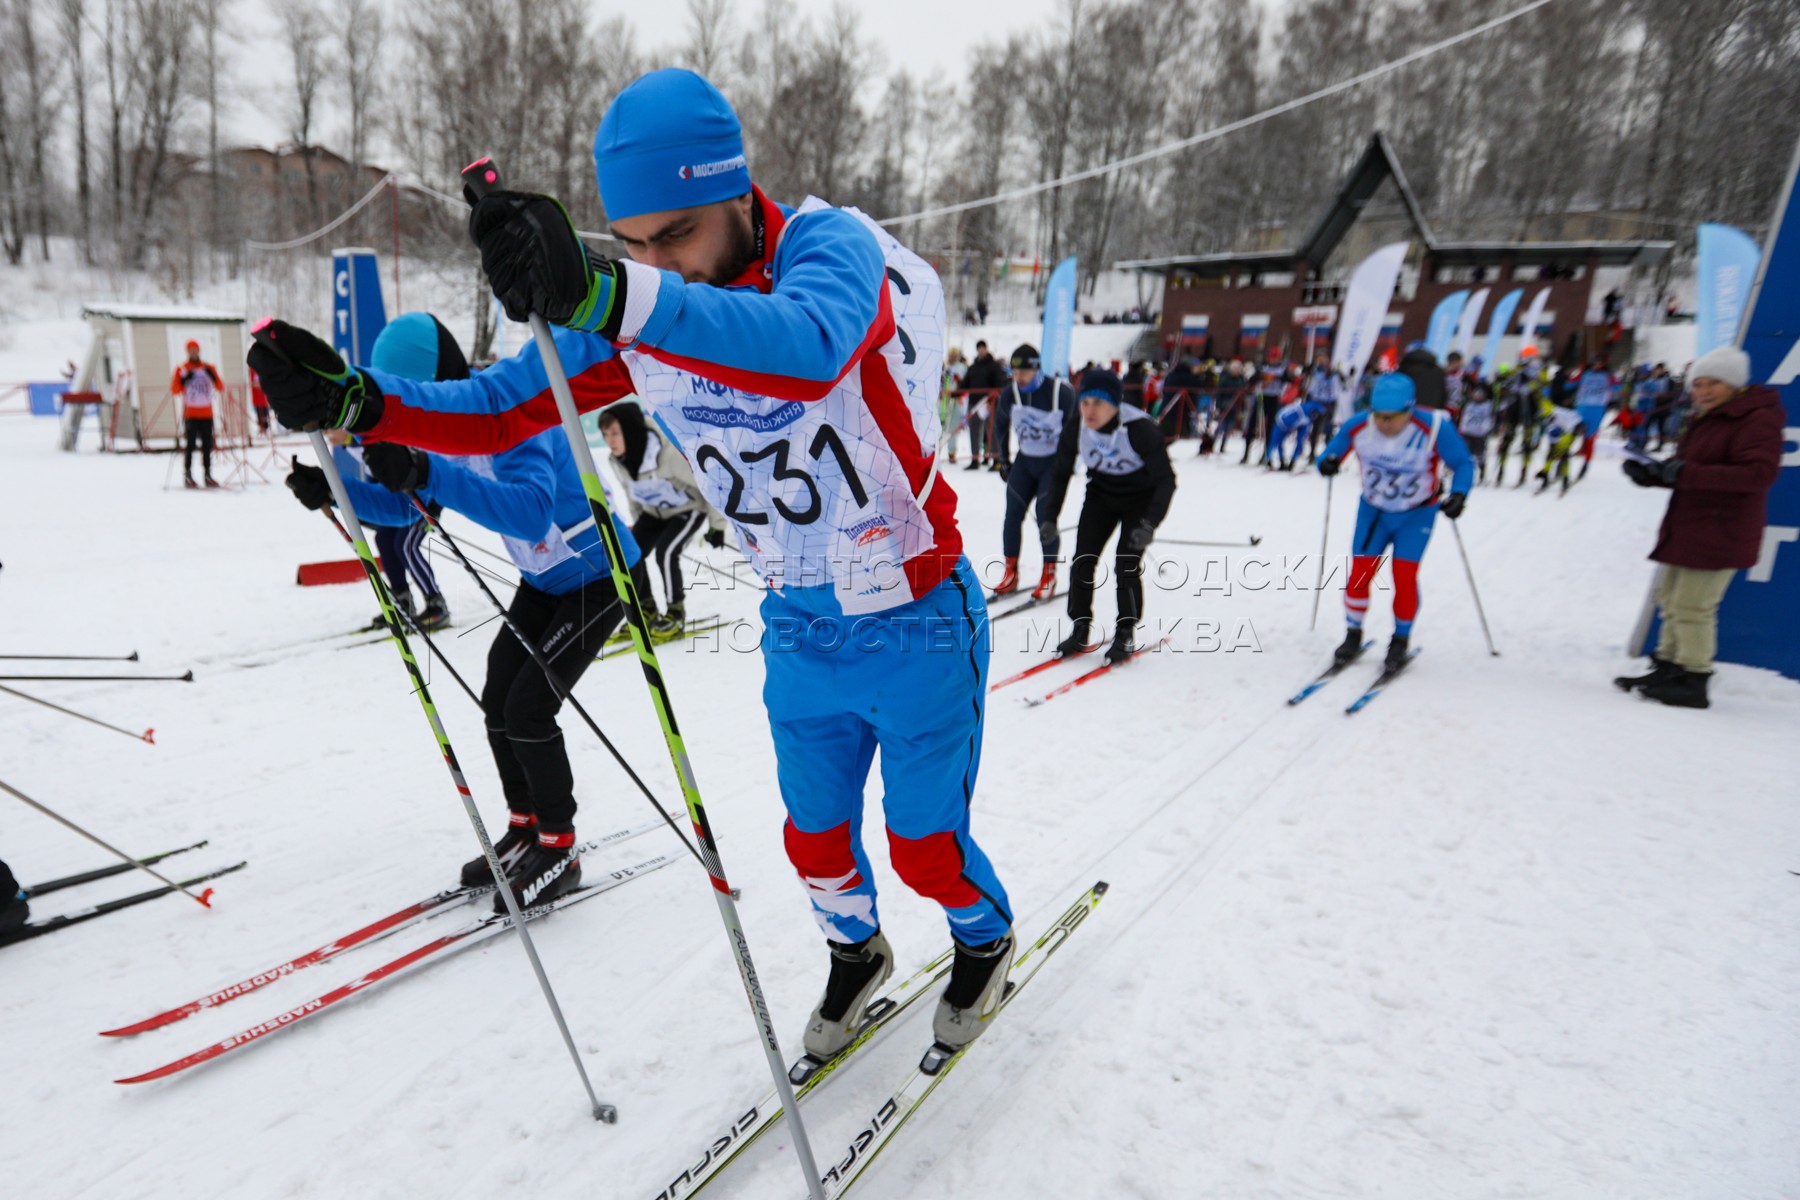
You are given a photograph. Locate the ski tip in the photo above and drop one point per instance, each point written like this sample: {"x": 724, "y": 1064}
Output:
{"x": 125, "y": 1031}
{"x": 149, "y": 735}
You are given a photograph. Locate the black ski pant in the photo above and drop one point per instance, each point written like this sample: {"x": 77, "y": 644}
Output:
{"x": 1027, "y": 483}
{"x": 520, "y": 705}
{"x": 197, "y": 429}
{"x": 978, "y": 447}
{"x": 1477, "y": 443}
{"x": 663, "y": 538}
{"x": 1101, "y": 514}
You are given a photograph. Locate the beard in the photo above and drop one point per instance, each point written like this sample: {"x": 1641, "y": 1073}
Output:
{"x": 743, "y": 248}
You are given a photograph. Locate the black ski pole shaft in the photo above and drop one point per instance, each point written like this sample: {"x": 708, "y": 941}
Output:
{"x": 1473, "y": 590}
{"x": 1252, "y": 540}
{"x": 412, "y": 621}
{"x": 479, "y": 178}
{"x": 132, "y": 657}
{"x": 187, "y": 677}
{"x": 147, "y": 736}
{"x": 562, "y": 690}
{"x": 390, "y": 614}
{"x": 1324, "y": 542}
{"x": 204, "y": 899}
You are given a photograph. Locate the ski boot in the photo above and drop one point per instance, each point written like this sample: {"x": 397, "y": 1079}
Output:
{"x": 977, "y": 988}
{"x": 13, "y": 907}
{"x": 1350, "y": 648}
{"x": 189, "y": 482}
{"x": 1686, "y": 689}
{"x": 1123, "y": 647}
{"x": 1009, "y": 581}
{"x": 1397, "y": 652}
{"x": 402, "y": 601}
{"x": 1661, "y": 671}
{"x": 435, "y": 615}
{"x": 213, "y": 483}
{"x": 1077, "y": 641}
{"x": 549, "y": 868}
{"x": 667, "y": 626}
{"x": 1046, "y": 587}
{"x": 520, "y": 835}
{"x": 857, "y": 970}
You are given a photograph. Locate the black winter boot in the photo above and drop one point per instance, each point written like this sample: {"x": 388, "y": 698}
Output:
{"x": 543, "y": 872}
{"x": 1686, "y": 689}
{"x": 1661, "y": 670}
{"x": 520, "y": 835}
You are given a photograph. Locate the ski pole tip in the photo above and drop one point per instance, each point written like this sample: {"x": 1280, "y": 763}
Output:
{"x": 189, "y": 677}
{"x": 606, "y": 1114}
{"x": 205, "y": 898}
{"x": 132, "y": 657}
{"x": 149, "y": 735}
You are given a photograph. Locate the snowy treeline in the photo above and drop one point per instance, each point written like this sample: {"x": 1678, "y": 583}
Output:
{"x": 111, "y": 109}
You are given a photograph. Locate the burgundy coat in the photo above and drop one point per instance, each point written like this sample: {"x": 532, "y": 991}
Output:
{"x": 1729, "y": 460}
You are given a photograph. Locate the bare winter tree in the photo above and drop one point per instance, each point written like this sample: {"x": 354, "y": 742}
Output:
{"x": 303, "y": 29}
{"x": 359, "y": 23}
{"x": 710, "y": 41}
{"x": 71, "y": 25}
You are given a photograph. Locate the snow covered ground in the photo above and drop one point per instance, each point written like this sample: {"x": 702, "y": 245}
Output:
{"x": 1506, "y": 933}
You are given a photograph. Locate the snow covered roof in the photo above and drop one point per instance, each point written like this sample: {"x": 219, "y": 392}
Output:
{"x": 156, "y": 312}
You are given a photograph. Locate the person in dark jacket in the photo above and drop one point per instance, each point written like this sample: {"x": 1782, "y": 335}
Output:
{"x": 1130, "y": 484}
{"x": 1421, "y": 366}
{"x": 1720, "y": 476}
{"x": 982, "y": 381}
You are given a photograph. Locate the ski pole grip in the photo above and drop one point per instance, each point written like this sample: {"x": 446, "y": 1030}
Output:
{"x": 481, "y": 177}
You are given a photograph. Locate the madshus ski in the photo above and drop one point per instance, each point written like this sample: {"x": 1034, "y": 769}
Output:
{"x": 1327, "y": 675}
{"x": 806, "y": 1074}
{"x": 919, "y": 1083}
{"x": 434, "y": 951}
{"x": 1095, "y": 673}
{"x": 33, "y": 929}
{"x": 69, "y": 881}
{"x": 375, "y": 931}
{"x": 1387, "y": 676}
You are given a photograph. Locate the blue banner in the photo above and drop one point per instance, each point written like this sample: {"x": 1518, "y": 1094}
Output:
{"x": 1726, "y": 268}
{"x": 357, "y": 314}
{"x": 1503, "y": 314}
{"x": 1059, "y": 320}
{"x": 1443, "y": 323}
{"x": 1759, "y": 621}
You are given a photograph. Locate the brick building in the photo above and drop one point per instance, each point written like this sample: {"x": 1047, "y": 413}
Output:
{"x": 1243, "y": 302}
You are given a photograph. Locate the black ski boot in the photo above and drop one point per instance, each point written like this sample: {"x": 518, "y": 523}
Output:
{"x": 1660, "y": 671}
{"x": 1123, "y": 647}
{"x": 402, "y": 601}
{"x": 13, "y": 909}
{"x": 977, "y": 985}
{"x": 543, "y": 873}
{"x": 436, "y": 614}
{"x": 1397, "y": 652}
{"x": 1350, "y": 648}
{"x": 1686, "y": 689}
{"x": 857, "y": 970}
{"x": 1077, "y": 641}
{"x": 520, "y": 835}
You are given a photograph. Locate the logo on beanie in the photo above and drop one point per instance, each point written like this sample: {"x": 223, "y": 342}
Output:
{"x": 736, "y": 162}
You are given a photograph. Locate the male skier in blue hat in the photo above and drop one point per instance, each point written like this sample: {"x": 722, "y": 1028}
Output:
{"x": 796, "y": 355}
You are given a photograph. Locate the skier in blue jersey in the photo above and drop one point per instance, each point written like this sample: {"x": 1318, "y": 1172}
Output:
{"x": 1039, "y": 408}
{"x": 1400, "y": 448}
{"x": 796, "y": 354}
{"x": 531, "y": 495}
{"x": 1292, "y": 422}
{"x": 1594, "y": 390}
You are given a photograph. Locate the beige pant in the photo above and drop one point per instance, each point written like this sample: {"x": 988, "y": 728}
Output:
{"x": 1688, "y": 600}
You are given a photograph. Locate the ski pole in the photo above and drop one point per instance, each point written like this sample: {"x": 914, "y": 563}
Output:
{"x": 1473, "y": 590}
{"x": 390, "y": 614}
{"x": 481, "y": 177}
{"x": 562, "y": 690}
{"x": 188, "y": 677}
{"x": 1254, "y": 540}
{"x": 146, "y": 736}
{"x": 1324, "y": 541}
{"x": 204, "y": 899}
{"x": 132, "y": 657}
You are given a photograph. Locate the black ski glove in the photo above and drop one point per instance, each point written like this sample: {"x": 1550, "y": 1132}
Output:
{"x": 309, "y": 386}
{"x": 308, "y": 485}
{"x": 536, "y": 264}
{"x": 1140, "y": 537}
{"x": 1452, "y": 505}
{"x": 1653, "y": 474}
{"x": 1328, "y": 465}
{"x": 395, "y": 467}
{"x": 715, "y": 538}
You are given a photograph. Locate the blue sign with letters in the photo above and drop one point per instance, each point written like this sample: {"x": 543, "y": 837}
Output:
{"x": 357, "y": 314}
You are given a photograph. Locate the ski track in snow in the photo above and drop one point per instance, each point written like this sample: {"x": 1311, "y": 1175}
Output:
{"x": 1506, "y": 933}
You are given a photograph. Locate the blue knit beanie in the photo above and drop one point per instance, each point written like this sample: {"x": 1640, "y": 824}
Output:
{"x": 1392, "y": 393}
{"x": 416, "y": 345}
{"x": 668, "y": 141}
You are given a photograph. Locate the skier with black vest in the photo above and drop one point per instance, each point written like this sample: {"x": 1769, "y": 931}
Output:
{"x": 1041, "y": 408}
{"x": 1130, "y": 485}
